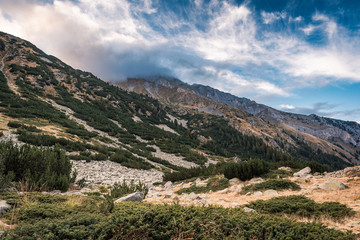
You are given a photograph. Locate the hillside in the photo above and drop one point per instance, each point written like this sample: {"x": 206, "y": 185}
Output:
{"x": 74, "y": 147}
{"x": 279, "y": 129}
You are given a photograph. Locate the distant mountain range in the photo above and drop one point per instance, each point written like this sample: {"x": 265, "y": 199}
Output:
{"x": 332, "y": 135}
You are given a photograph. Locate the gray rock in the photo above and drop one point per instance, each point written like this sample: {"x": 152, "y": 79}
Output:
{"x": 133, "y": 197}
{"x": 168, "y": 194}
{"x": 234, "y": 181}
{"x": 271, "y": 192}
{"x": 193, "y": 196}
{"x": 168, "y": 185}
{"x": 300, "y": 180}
{"x": 288, "y": 169}
{"x": 303, "y": 172}
{"x": 353, "y": 224}
{"x": 226, "y": 190}
{"x": 246, "y": 209}
{"x": 176, "y": 199}
{"x": 332, "y": 185}
{"x": 4, "y": 206}
{"x": 258, "y": 193}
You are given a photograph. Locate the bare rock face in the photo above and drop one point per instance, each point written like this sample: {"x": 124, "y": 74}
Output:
{"x": 258, "y": 193}
{"x": 332, "y": 185}
{"x": 133, "y": 197}
{"x": 303, "y": 172}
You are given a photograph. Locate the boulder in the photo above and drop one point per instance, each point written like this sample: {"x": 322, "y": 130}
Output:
{"x": 303, "y": 172}
{"x": 226, "y": 190}
{"x": 258, "y": 193}
{"x": 168, "y": 185}
{"x": 176, "y": 199}
{"x": 168, "y": 194}
{"x": 234, "y": 181}
{"x": 255, "y": 180}
{"x": 193, "y": 196}
{"x": 271, "y": 192}
{"x": 288, "y": 169}
{"x": 300, "y": 180}
{"x": 4, "y": 206}
{"x": 133, "y": 197}
{"x": 332, "y": 185}
{"x": 239, "y": 188}
{"x": 246, "y": 209}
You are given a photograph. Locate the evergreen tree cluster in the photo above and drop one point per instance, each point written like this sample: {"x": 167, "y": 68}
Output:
{"x": 246, "y": 170}
{"x": 39, "y": 168}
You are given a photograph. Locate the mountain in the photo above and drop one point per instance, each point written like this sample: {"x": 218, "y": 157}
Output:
{"x": 338, "y": 137}
{"x": 161, "y": 125}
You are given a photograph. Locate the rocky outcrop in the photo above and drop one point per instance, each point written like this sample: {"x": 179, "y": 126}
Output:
{"x": 107, "y": 173}
{"x": 133, "y": 197}
{"x": 303, "y": 172}
{"x": 332, "y": 185}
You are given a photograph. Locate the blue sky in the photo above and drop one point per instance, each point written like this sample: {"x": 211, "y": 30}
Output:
{"x": 298, "y": 56}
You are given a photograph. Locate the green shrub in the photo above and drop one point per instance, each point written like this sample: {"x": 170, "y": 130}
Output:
{"x": 41, "y": 216}
{"x": 302, "y": 206}
{"x": 119, "y": 190}
{"x": 187, "y": 173}
{"x": 145, "y": 221}
{"x": 280, "y": 184}
{"x": 13, "y": 124}
{"x": 39, "y": 168}
{"x": 246, "y": 170}
{"x": 127, "y": 159}
{"x": 213, "y": 184}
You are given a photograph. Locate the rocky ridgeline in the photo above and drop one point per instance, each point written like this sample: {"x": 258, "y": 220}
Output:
{"x": 107, "y": 173}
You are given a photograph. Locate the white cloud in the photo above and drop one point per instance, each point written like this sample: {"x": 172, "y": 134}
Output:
{"x": 286, "y": 106}
{"x": 270, "y": 17}
{"x": 114, "y": 40}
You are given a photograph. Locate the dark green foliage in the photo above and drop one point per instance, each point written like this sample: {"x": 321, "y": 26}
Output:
{"x": 119, "y": 190}
{"x": 246, "y": 170}
{"x": 14, "y": 124}
{"x": 2, "y": 45}
{"x": 46, "y": 169}
{"x": 279, "y": 184}
{"x": 24, "y": 127}
{"x": 57, "y": 217}
{"x": 187, "y": 173}
{"x": 127, "y": 159}
{"x": 213, "y": 184}
{"x": 302, "y": 206}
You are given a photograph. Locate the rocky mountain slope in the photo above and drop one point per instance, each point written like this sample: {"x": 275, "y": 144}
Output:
{"x": 338, "y": 137}
{"x": 45, "y": 102}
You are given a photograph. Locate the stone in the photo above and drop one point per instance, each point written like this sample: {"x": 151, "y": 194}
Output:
{"x": 234, "y": 204}
{"x": 255, "y": 180}
{"x": 234, "y": 181}
{"x": 288, "y": 169}
{"x": 332, "y": 185}
{"x": 300, "y": 180}
{"x": 353, "y": 224}
{"x": 239, "y": 188}
{"x": 193, "y": 196}
{"x": 4, "y": 206}
{"x": 133, "y": 197}
{"x": 168, "y": 185}
{"x": 176, "y": 199}
{"x": 271, "y": 192}
{"x": 303, "y": 172}
{"x": 246, "y": 209}
{"x": 168, "y": 194}
{"x": 257, "y": 193}
{"x": 226, "y": 190}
